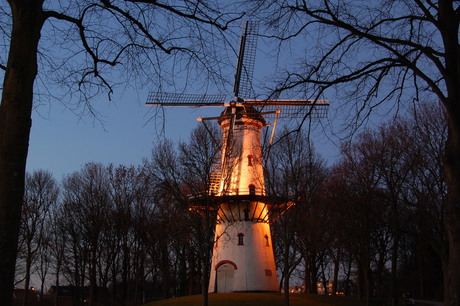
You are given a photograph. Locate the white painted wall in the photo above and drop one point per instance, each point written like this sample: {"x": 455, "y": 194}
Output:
{"x": 253, "y": 262}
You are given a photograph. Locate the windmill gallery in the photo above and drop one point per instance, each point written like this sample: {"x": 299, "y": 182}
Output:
{"x": 243, "y": 258}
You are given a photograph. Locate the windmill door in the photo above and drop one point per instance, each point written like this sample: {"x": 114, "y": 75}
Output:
{"x": 225, "y": 275}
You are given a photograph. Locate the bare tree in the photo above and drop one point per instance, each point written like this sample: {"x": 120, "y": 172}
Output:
{"x": 183, "y": 177}
{"x": 391, "y": 146}
{"x": 382, "y": 52}
{"x": 87, "y": 207}
{"x": 197, "y": 158}
{"x": 358, "y": 189}
{"x": 81, "y": 42}
{"x": 40, "y": 195}
{"x": 294, "y": 171}
{"x": 391, "y": 188}
{"x": 129, "y": 238}
{"x": 426, "y": 195}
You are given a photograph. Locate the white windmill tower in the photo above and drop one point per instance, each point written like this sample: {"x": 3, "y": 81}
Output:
{"x": 243, "y": 258}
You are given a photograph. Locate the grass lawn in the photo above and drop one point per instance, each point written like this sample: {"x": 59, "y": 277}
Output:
{"x": 259, "y": 299}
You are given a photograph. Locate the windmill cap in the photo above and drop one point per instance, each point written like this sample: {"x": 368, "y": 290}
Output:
{"x": 245, "y": 111}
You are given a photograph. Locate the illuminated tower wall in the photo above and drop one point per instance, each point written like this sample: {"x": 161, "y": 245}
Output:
{"x": 243, "y": 258}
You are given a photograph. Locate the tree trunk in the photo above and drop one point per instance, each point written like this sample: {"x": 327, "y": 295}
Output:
{"x": 92, "y": 277}
{"x": 56, "y": 293}
{"x": 337, "y": 259}
{"x": 192, "y": 276}
{"x": 27, "y": 280}
{"x": 452, "y": 210}
{"x": 448, "y": 20}
{"x": 205, "y": 283}
{"x": 286, "y": 268}
{"x": 394, "y": 254}
{"x": 15, "y": 123}
{"x": 306, "y": 275}
{"x": 286, "y": 284}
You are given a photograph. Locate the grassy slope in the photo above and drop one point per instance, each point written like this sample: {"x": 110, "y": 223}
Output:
{"x": 258, "y": 299}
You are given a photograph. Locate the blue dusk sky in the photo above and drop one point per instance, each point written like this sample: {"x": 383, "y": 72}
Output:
{"x": 124, "y": 133}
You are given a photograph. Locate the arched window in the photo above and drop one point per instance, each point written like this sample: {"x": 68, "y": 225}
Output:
{"x": 252, "y": 189}
{"x": 250, "y": 160}
{"x": 240, "y": 239}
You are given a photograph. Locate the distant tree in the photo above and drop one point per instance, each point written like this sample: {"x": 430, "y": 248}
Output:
{"x": 129, "y": 238}
{"x": 426, "y": 194}
{"x": 336, "y": 194}
{"x": 197, "y": 158}
{"x": 41, "y": 194}
{"x": 86, "y": 201}
{"x": 381, "y": 53}
{"x": 295, "y": 172}
{"x": 392, "y": 146}
{"x": 182, "y": 177}
{"x": 361, "y": 204}
{"x": 105, "y": 234}
{"x": 391, "y": 190}
{"x": 80, "y": 43}
{"x": 58, "y": 245}
{"x": 45, "y": 259}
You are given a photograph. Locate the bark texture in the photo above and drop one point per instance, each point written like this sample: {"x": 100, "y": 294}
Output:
{"x": 15, "y": 124}
{"x": 449, "y": 23}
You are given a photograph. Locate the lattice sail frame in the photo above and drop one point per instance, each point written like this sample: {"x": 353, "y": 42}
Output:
{"x": 159, "y": 98}
{"x": 273, "y": 109}
{"x": 242, "y": 87}
{"x": 288, "y": 108}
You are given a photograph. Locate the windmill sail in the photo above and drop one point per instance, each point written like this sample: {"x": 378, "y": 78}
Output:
{"x": 236, "y": 188}
{"x": 242, "y": 88}
{"x": 159, "y": 98}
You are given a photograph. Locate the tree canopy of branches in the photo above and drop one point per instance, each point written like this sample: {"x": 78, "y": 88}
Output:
{"x": 375, "y": 53}
{"x": 126, "y": 234}
{"x": 41, "y": 194}
{"x": 295, "y": 171}
{"x": 81, "y": 44}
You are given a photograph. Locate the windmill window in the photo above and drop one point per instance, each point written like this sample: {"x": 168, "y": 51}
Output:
{"x": 252, "y": 189}
{"x": 250, "y": 160}
{"x": 246, "y": 214}
{"x": 266, "y": 240}
{"x": 240, "y": 239}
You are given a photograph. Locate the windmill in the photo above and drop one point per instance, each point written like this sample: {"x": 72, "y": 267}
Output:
{"x": 243, "y": 258}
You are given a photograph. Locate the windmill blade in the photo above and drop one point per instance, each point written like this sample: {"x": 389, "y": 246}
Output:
{"x": 292, "y": 108}
{"x": 242, "y": 87}
{"x": 284, "y": 102}
{"x": 181, "y": 99}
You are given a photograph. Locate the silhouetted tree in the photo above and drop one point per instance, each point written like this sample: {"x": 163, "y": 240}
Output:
{"x": 41, "y": 192}
{"x": 364, "y": 208}
{"x": 426, "y": 195}
{"x": 386, "y": 187}
{"x": 295, "y": 172}
{"x": 381, "y": 53}
{"x": 197, "y": 158}
{"x": 183, "y": 177}
{"x": 84, "y": 43}
{"x": 87, "y": 209}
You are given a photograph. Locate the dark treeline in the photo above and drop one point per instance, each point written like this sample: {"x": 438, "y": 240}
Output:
{"x": 370, "y": 225}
